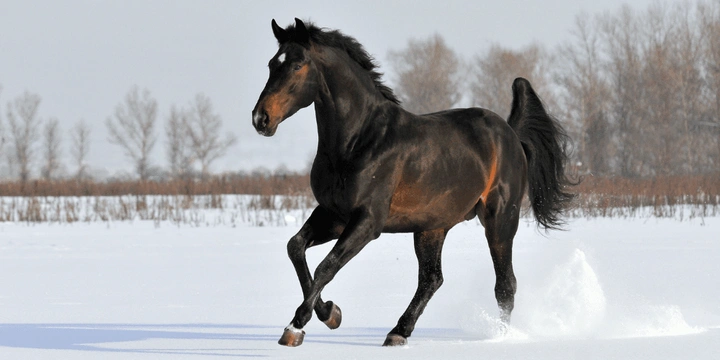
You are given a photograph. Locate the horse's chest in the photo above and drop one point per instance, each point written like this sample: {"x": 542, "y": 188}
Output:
{"x": 336, "y": 191}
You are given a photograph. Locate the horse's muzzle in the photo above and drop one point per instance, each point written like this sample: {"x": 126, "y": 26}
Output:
{"x": 261, "y": 122}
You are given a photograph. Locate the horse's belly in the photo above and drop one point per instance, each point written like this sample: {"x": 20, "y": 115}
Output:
{"x": 402, "y": 223}
{"x": 412, "y": 212}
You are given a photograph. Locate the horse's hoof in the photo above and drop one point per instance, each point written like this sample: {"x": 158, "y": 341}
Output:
{"x": 333, "y": 322}
{"x": 292, "y": 337}
{"x": 395, "y": 340}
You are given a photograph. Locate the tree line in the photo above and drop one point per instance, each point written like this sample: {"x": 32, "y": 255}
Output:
{"x": 639, "y": 91}
{"x": 193, "y": 138}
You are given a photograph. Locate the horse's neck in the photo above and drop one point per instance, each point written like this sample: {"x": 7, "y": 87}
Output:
{"x": 343, "y": 108}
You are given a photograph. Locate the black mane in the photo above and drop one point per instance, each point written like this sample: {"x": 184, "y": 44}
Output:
{"x": 336, "y": 39}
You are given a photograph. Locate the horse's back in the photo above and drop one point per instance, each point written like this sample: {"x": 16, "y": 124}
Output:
{"x": 482, "y": 121}
{"x": 482, "y": 129}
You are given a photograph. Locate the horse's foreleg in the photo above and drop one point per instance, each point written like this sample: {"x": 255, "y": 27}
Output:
{"x": 361, "y": 229}
{"x": 321, "y": 227}
{"x": 428, "y": 249}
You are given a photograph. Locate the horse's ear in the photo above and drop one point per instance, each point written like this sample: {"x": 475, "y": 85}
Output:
{"x": 280, "y": 34}
{"x": 302, "y": 35}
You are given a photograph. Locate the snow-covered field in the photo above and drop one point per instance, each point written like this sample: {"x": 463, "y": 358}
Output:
{"x": 605, "y": 289}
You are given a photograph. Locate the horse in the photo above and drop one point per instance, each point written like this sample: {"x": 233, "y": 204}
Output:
{"x": 381, "y": 169}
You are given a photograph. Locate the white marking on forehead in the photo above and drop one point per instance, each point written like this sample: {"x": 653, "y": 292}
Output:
{"x": 281, "y": 58}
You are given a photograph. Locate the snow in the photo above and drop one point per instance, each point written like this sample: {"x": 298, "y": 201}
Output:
{"x": 640, "y": 288}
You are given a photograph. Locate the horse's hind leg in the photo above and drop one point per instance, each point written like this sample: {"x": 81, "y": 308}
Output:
{"x": 500, "y": 229}
{"x": 320, "y": 228}
{"x": 428, "y": 249}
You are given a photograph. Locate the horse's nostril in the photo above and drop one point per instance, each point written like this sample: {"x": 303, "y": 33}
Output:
{"x": 260, "y": 118}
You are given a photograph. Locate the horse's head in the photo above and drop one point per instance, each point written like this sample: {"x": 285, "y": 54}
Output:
{"x": 293, "y": 82}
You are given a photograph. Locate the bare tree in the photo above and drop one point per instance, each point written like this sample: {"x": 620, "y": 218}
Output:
{"x": 179, "y": 150}
{"x": 427, "y": 75}
{"x": 51, "y": 149}
{"x": 621, "y": 37}
{"x": 655, "y": 68}
{"x": 133, "y": 128}
{"x": 646, "y": 79}
{"x": 675, "y": 78}
{"x": 709, "y": 125}
{"x": 585, "y": 97}
{"x": 24, "y": 129}
{"x": 80, "y": 147}
{"x": 494, "y": 72}
{"x": 203, "y": 128}
{"x": 687, "y": 56}
{"x": 2, "y": 130}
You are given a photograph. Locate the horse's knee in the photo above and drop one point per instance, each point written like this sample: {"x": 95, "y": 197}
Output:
{"x": 295, "y": 246}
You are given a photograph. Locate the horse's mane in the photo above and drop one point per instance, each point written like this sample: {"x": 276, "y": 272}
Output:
{"x": 336, "y": 39}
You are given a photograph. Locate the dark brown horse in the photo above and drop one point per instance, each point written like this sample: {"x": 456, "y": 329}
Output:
{"x": 379, "y": 168}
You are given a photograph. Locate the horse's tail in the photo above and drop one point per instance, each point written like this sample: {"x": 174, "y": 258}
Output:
{"x": 544, "y": 142}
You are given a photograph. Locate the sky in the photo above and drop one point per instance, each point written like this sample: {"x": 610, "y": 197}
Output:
{"x": 82, "y": 58}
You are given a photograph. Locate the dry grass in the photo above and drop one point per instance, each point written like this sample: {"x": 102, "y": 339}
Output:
{"x": 196, "y": 210}
{"x": 279, "y": 200}
{"x": 674, "y": 196}
{"x": 292, "y": 184}
{"x": 255, "y": 200}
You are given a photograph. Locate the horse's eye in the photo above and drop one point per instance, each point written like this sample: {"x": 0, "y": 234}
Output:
{"x": 297, "y": 67}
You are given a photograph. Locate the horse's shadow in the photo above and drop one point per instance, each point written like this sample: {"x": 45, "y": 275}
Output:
{"x": 101, "y": 337}
{"x": 106, "y": 338}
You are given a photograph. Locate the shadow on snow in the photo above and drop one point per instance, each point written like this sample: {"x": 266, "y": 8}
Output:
{"x": 85, "y": 337}
{"x": 100, "y": 337}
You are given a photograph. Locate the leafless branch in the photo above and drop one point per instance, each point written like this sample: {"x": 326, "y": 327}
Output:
{"x": 427, "y": 75}
{"x": 51, "y": 149}
{"x": 80, "y": 147}
{"x": 203, "y": 128}
{"x": 24, "y": 129}
{"x": 133, "y": 128}
{"x": 179, "y": 150}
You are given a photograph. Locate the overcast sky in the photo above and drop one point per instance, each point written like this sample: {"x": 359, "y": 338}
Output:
{"x": 82, "y": 57}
